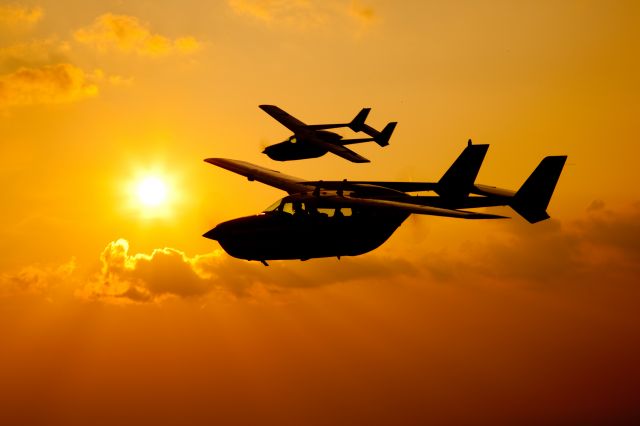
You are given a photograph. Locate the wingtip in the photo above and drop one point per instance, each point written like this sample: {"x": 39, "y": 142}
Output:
{"x": 214, "y": 161}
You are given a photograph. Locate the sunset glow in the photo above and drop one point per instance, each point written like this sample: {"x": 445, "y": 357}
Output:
{"x": 115, "y": 310}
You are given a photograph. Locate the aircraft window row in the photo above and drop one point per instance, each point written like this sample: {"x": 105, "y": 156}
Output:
{"x": 299, "y": 208}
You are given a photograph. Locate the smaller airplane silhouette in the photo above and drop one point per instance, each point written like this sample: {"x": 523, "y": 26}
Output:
{"x": 349, "y": 218}
{"x": 313, "y": 140}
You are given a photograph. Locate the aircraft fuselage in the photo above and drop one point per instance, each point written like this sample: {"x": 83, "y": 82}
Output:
{"x": 297, "y": 147}
{"x": 277, "y": 235}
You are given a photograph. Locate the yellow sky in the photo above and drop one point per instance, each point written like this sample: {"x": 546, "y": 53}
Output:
{"x": 103, "y": 300}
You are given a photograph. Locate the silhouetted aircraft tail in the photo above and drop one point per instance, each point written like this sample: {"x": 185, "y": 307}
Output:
{"x": 357, "y": 123}
{"x": 458, "y": 180}
{"x": 533, "y": 197}
{"x": 383, "y": 137}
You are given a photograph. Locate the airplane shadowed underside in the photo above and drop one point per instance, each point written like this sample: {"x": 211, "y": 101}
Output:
{"x": 313, "y": 140}
{"x": 349, "y": 218}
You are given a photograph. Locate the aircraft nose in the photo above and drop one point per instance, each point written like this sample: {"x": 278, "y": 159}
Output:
{"x": 213, "y": 234}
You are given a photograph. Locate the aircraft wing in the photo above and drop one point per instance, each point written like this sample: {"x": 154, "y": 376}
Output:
{"x": 410, "y": 208}
{"x": 294, "y": 185}
{"x": 343, "y": 151}
{"x": 269, "y": 177}
{"x": 337, "y": 149}
{"x": 284, "y": 118}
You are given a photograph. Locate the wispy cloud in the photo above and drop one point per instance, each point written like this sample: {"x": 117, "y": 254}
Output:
{"x": 601, "y": 247}
{"x": 304, "y": 14}
{"x": 128, "y": 34}
{"x": 48, "y": 84}
{"x": 34, "y": 53}
{"x": 361, "y": 12}
{"x": 37, "y": 280}
{"x": 17, "y": 17}
{"x": 41, "y": 71}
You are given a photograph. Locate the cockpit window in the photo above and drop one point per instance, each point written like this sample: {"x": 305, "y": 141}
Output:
{"x": 273, "y": 207}
{"x": 287, "y": 208}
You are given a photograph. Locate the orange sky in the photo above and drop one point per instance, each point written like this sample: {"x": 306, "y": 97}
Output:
{"x": 114, "y": 312}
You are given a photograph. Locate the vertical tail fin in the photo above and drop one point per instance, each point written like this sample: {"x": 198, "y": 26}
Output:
{"x": 383, "y": 137}
{"x": 358, "y": 122}
{"x": 459, "y": 179}
{"x": 533, "y": 197}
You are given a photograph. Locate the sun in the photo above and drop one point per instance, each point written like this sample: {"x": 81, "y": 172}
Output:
{"x": 151, "y": 192}
{"x": 152, "y": 196}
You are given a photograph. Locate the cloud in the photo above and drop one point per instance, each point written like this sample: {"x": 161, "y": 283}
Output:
{"x": 303, "y": 14}
{"x": 601, "y": 251}
{"x": 596, "y": 205}
{"x": 301, "y": 11}
{"x": 259, "y": 9}
{"x": 168, "y": 272}
{"x": 618, "y": 231}
{"x": 15, "y": 17}
{"x": 143, "y": 278}
{"x": 602, "y": 247}
{"x": 364, "y": 14}
{"x": 37, "y": 280}
{"x": 48, "y": 84}
{"x": 241, "y": 277}
{"x": 127, "y": 34}
{"x": 34, "y": 53}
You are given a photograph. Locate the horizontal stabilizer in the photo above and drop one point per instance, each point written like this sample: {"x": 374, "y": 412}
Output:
{"x": 533, "y": 197}
{"x": 458, "y": 181}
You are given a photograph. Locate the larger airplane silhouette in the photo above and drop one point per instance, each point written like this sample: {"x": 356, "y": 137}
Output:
{"x": 349, "y": 218}
{"x": 313, "y": 140}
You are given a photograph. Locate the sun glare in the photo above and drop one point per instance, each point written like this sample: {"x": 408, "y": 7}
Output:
{"x": 152, "y": 196}
{"x": 152, "y": 192}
